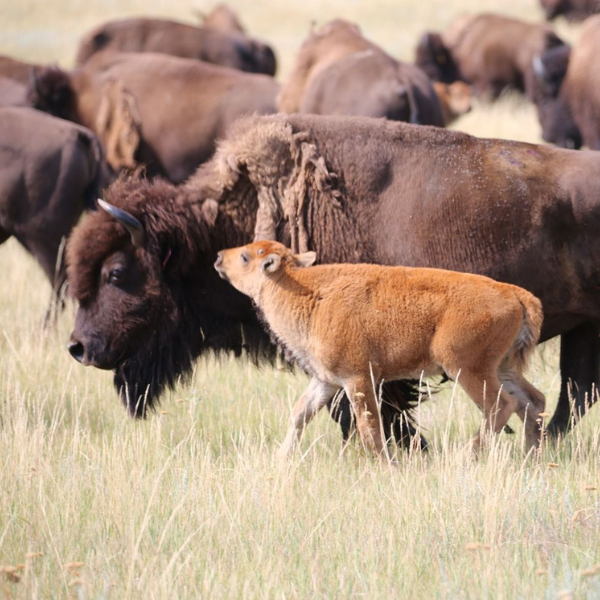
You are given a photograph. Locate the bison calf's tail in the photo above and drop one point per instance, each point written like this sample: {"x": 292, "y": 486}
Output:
{"x": 529, "y": 335}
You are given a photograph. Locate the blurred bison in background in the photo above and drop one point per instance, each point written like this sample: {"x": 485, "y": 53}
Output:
{"x": 454, "y": 98}
{"x": 50, "y": 171}
{"x": 152, "y": 109}
{"x": 339, "y": 72}
{"x": 209, "y": 44}
{"x": 572, "y": 10}
{"x": 566, "y": 91}
{"x": 353, "y": 190}
{"x": 223, "y": 18}
{"x": 489, "y": 51}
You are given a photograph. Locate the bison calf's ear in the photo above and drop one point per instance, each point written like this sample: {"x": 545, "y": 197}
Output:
{"x": 271, "y": 263}
{"x": 306, "y": 259}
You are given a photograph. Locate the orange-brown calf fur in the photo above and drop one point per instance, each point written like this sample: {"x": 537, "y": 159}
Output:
{"x": 350, "y": 326}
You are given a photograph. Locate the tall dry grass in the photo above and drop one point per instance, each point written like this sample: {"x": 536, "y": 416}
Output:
{"x": 191, "y": 504}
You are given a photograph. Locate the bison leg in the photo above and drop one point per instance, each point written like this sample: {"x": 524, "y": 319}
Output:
{"x": 399, "y": 398}
{"x": 580, "y": 376}
{"x": 314, "y": 398}
{"x": 368, "y": 421}
{"x": 531, "y": 404}
{"x": 494, "y": 401}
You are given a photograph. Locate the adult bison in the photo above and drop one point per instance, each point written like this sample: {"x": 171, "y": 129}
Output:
{"x": 152, "y": 109}
{"x": 209, "y": 44}
{"x": 489, "y": 51}
{"x": 353, "y": 190}
{"x": 572, "y": 10}
{"x": 50, "y": 171}
{"x": 566, "y": 91}
{"x": 339, "y": 72}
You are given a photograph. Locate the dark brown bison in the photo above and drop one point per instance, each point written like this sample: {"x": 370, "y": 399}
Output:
{"x": 572, "y": 10}
{"x": 50, "y": 170}
{"x": 209, "y": 44}
{"x": 353, "y": 190}
{"x": 566, "y": 91}
{"x": 489, "y": 51}
{"x": 161, "y": 111}
{"x": 339, "y": 72}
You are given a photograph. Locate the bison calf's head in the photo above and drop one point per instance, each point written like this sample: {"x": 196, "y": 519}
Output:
{"x": 247, "y": 267}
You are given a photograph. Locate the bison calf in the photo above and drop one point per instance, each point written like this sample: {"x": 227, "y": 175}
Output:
{"x": 353, "y": 326}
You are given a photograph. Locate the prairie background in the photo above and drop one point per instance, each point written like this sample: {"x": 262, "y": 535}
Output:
{"x": 191, "y": 502}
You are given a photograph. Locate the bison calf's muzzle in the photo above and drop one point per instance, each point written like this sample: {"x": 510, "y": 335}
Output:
{"x": 352, "y": 327}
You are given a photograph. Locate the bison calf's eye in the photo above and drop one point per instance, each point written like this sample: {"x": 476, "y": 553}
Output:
{"x": 244, "y": 258}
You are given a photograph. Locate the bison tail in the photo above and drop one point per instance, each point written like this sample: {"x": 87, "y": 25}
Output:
{"x": 531, "y": 328}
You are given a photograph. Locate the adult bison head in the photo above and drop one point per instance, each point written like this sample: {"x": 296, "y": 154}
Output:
{"x": 140, "y": 270}
{"x": 547, "y": 91}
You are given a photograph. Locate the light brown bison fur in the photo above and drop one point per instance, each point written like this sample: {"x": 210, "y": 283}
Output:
{"x": 489, "y": 51}
{"x": 153, "y": 109}
{"x": 455, "y": 99}
{"x": 223, "y": 18}
{"x": 572, "y": 10}
{"x": 228, "y": 49}
{"x": 353, "y": 326}
{"x": 353, "y": 190}
{"x": 50, "y": 172}
{"x": 567, "y": 91}
{"x": 338, "y": 71}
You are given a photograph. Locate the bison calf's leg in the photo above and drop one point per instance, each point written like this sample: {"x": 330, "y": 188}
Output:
{"x": 531, "y": 404}
{"x": 368, "y": 420}
{"x": 314, "y": 398}
{"x": 495, "y": 402}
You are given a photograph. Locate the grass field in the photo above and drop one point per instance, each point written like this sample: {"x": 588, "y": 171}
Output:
{"x": 191, "y": 503}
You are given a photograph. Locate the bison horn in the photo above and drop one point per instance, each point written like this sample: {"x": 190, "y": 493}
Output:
{"x": 33, "y": 80}
{"x": 538, "y": 67}
{"x": 133, "y": 226}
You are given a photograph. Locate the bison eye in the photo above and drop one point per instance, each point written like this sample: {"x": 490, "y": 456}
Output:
{"x": 244, "y": 258}
{"x": 115, "y": 276}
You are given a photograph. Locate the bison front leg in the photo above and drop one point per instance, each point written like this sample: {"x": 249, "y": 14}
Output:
{"x": 314, "y": 398}
{"x": 368, "y": 419}
{"x": 580, "y": 376}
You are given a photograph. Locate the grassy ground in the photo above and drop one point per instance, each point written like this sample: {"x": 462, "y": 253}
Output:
{"x": 191, "y": 502}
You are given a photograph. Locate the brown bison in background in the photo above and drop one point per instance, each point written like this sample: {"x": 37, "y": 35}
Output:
{"x": 353, "y": 190}
{"x": 209, "y": 44}
{"x": 566, "y": 91}
{"x": 223, "y": 18}
{"x": 339, "y": 72}
{"x": 572, "y": 10}
{"x": 454, "y": 98}
{"x": 153, "y": 109}
{"x": 50, "y": 171}
{"x": 489, "y": 51}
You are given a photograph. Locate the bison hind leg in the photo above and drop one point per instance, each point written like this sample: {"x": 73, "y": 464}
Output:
{"x": 531, "y": 403}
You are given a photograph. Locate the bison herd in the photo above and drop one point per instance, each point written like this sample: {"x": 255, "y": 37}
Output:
{"x": 195, "y": 148}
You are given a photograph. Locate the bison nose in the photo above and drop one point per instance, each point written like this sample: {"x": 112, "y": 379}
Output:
{"x": 219, "y": 260}
{"x": 77, "y": 350}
